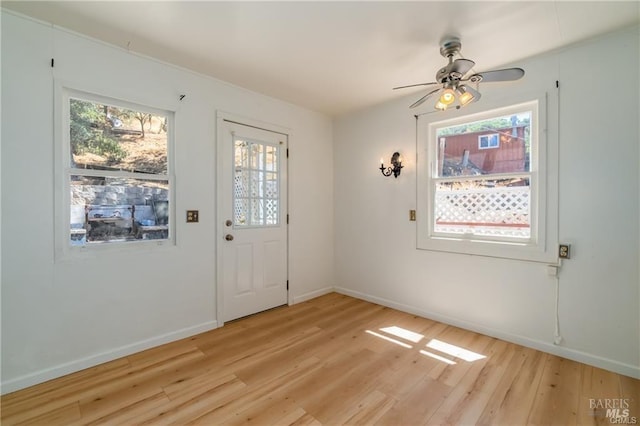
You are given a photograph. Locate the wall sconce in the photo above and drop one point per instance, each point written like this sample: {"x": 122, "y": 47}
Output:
{"x": 394, "y": 168}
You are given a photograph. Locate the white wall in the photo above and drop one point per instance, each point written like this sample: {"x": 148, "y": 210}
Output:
{"x": 61, "y": 316}
{"x": 376, "y": 255}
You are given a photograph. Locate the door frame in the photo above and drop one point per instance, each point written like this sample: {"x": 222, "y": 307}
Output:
{"x": 221, "y": 118}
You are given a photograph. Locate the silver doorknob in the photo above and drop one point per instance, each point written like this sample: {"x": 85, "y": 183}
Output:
{"x": 228, "y": 237}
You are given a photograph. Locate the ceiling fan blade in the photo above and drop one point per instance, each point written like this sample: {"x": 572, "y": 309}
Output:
{"x": 507, "y": 74}
{"x": 415, "y": 85}
{"x": 424, "y": 98}
{"x": 462, "y": 66}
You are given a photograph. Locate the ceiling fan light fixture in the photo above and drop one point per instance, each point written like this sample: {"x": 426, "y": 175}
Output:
{"x": 466, "y": 95}
{"x": 447, "y": 97}
{"x": 440, "y": 106}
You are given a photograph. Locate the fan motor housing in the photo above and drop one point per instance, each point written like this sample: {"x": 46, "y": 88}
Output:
{"x": 450, "y": 47}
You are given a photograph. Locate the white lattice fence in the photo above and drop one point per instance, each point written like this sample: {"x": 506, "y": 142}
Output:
{"x": 497, "y": 207}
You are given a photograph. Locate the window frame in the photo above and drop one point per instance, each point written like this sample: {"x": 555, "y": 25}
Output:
{"x": 435, "y": 178}
{"x": 64, "y": 171}
{"x": 540, "y": 247}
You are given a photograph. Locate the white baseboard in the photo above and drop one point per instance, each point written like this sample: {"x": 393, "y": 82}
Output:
{"x": 312, "y": 295}
{"x": 548, "y": 347}
{"x": 93, "y": 360}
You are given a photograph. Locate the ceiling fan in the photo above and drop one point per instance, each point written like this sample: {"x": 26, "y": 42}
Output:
{"x": 453, "y": 85}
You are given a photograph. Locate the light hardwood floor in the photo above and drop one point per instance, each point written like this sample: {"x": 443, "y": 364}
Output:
{"x": 332, "y": 360}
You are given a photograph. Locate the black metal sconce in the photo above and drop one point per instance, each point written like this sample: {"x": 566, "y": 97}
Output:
{"x": 394, "y": 168}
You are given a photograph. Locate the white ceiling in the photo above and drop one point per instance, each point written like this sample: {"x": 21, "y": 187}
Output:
{"x": 332, "y": 57}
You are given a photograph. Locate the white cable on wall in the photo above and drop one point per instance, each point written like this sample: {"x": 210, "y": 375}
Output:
{"x": 557, "y": 337}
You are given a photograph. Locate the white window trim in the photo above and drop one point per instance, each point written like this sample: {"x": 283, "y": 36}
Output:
{"x": 63, "y": 171}
{"x": 544, "y": 191}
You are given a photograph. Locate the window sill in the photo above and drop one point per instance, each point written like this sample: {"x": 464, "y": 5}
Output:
{"x": 524, "y": 251}
{"x": 111, "y": 249}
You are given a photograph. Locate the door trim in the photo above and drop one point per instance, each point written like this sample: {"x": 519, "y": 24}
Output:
{"x": 221, "y": 118}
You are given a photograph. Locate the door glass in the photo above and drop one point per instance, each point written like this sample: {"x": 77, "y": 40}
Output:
{"x": 256, "y": 182}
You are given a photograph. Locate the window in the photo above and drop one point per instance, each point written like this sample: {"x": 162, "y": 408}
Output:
{"x": 483, "y": 186}
{"x": 483, "y": 193}
{"x": 488, "y": 141}
{"x": 116, "y": 170}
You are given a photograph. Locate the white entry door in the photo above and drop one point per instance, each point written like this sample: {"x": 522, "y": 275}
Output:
{"x": 252, "y": 200}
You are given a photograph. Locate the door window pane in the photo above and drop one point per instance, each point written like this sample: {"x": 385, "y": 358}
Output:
{"x": 256, "y": 183}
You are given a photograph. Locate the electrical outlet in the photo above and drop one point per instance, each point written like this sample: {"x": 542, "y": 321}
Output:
{"x": 564, "y": 251}
{"x": 192, "y": 216}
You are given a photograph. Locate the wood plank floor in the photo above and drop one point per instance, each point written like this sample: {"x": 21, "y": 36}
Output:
{"x": 329, "y": 361}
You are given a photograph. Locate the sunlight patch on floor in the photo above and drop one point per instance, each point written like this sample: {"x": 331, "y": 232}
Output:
{"x": 403, "y": 333}
{"x": 389, "y": 339}
{"x": 449, "y": 352}
{"x": 438, "y": 357}
{"x": 455, "y": 351}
